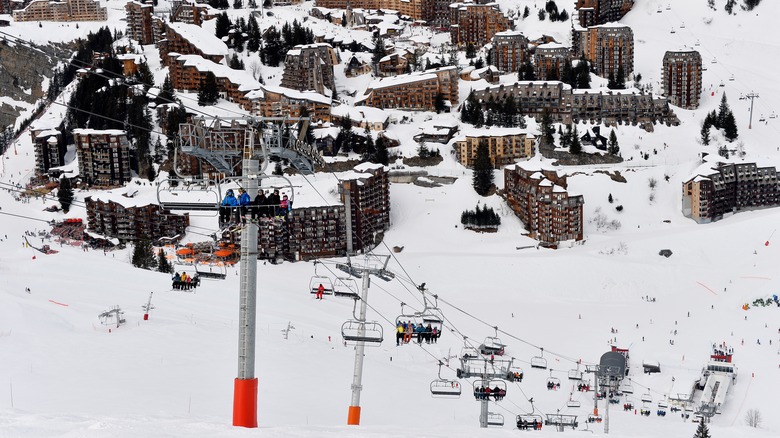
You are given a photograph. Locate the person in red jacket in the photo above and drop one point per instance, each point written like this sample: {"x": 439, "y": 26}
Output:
{"x": 320, "y": 291}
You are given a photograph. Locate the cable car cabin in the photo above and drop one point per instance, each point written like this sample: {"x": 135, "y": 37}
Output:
{"x": 573, "y": 404}
{"x": 489, "y": 389}
{"x": 317, "y": 280}
{"x": 443, "y": 388}
{"x": 345, "y": 287}
{"x": 539, "y": 362}
{"x": 553, "y": 383}
{"x": 647, "y": 398}
{"x": 575, "y": 375}
{"x": 529, "y": 422}
{"x": 495, "y": 419}
{"x": 357, "y": 331}
{"x": 492, "y": 345}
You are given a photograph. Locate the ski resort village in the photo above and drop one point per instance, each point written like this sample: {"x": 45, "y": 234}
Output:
{"x": 389, "y": 218}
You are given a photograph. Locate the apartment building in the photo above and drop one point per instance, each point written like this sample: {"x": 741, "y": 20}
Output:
{"x": 191, "y": 12}
{"x": 505, "y": 145}
{"x": 414, "y": 9}
{"x": 717, "y": 189}
{"x": 608, "y": 47}
{"x": 539, "y": 197}
{"x": 565, "y": 104}
{"x": 681, "y": 78}
{"x": 122, "y": 219}
{"x": 68, "y": 10}
{"x": 187, "y": 72}
{"x": 103, "y": 155}
{"x": 595, "y": 12}
{"x": 49, "y": 149}
{"x": 413, "y": 91}
{"x": 269, "y": 101}
{"x": 508, "y": 51}
{"x": 139, "y": 22}
{"x": 393, "y": 64}
{"x": 472, "y": 23}
{"x": 549, "y": 60}
{"x": 310, "y": 68}
{"x": 189, "y": 39}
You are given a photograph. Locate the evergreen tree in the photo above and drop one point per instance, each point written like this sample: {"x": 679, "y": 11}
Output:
{"x": 566, "y": 137}
{"x": 251, "y": 4}
{"x": 381, "y": 157}
{"x": 483, "y": 170}
{"x": 208, "y": 94}
{"x": 379, "y": 50}
{"x": 369, "y": 148}
{"x": 612, "y": 145}
{"x": 702, "y": 431}
{"x": 527, "y": 72}
{"x": 705, "y": 134}
{"x": 620, "y": 79}
{"x": 471, "y": 51}
{"x": 438, "y": 103}
{"x": 144, "y": 76}
{"x": 575, "y": 147}
{"x": 163, "y": 265}
{"x": 143, "y": 256}
{"x": 253, "y": 38}
{"x": 343, "y": 141}
{"x": 546, "y": 126}
{"x": 567, "y": 74}
{"x": 344, "y": 19}
{"x": 65, "y": 194}
{"x": 611, "y": 84}
{"x": 723, "y": 110}
{"x": 236, "y": 63}
{"x": 166, "y": 91}
{"x": 526, "y": 12}
{"x": 730, "y": 127}
{"x": 223, "y": 25}
{"x": 583, "y": 73}
{"x": 238, "y": 4}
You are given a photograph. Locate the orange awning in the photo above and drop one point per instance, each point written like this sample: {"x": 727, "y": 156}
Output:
{"x": 184, "y": 251}
{"x": 223, "y": 253}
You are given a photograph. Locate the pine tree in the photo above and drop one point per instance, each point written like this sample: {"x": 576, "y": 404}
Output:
{"x": 702, "y": 431}
{"x": 65, "y": 194}
{"x": 611, "y": 84}
{"x": 438, "y": 103}
{"x": 575, "y": 147}
{"x": 236, "y": 63}
{"x": 526, "y": 12}
{"x": 610, "y": 199}
{"x": 723, "y": 110}
{"x": 471, "y": 51}
{"x": 705, "y": 134}
{"x": 143, "y": 256}
{"x": 238, "y": 4}
{"x": 620, "y": 79}
{"x": 222, "y": 25}
{"x": 483, "y": 170}
{"x": 566, "y": 137}
{"x": 379, "y": 51}
{"x": 612, "y": 146}
{"x": 547, "y": 128}
{"x": 166, "y": 91}
{"x": 163, "y": 265}
{"x": 380, "y": 157}
{"x": 730, "y": 126}
{"x": 144, "y": 76}
{"x": 583, "y": 73}
{"x": 208, "y": 94}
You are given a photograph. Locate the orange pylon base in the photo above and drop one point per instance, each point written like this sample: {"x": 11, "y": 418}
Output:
{"x": 245, "y": 403}
{"x": 353, "y": 419}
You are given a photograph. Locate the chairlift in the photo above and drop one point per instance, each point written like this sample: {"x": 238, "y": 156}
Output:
{"x": 529, "y": 422}
{"x": 714, "y": 60}
{"x": 360, "y": 331}
{"x": 594, "y": 418}
{"x": 627, "y": 388}
{"x": 662, "y": 405}
{"x": 553, "y": 383}
{"x": 469, "y": 352}
{"x": 573, "y": 403}
{"x": 495, "y": 419}
{"x": 703, "y": 67}
{"x": 485, "y": 389}
{"x": 492, "y": 346}
{"x": 673, "y": 31}
{"x": 539, "y": 361}
{"x": 345, "y": 287}
{"x": 731, "y": 78}
{"x": 773, "y": 115}
{"x": 317, "y": 280}
{"x": 647, "y": 398}
{"x": 659, "y": 10}
{"x": 668, "y": 6}
{"x": 515, "y": 374}
{"x": 575, "y": 374}
{"x": 697, "y": 43}
{"x": 444, "y": 388}
{"x": 189, "y": 195}
{"x": 762, "y": 119}
{"x": 682, "y": 26}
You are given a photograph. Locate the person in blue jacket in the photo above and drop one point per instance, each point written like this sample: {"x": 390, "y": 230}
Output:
{"x": 227, "y": 204}
{"x": 244, "y": 200}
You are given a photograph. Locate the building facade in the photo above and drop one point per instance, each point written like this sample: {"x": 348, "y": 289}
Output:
{"x": 509, "y": 51}
{"x": 147, "y": 222}
{"x": 68, "y": 10}
{"x": 104, "y": 156}
{"x": 682, "y": 78}
{"x": 187, "y": 72}
{"x": 189, "y": 39}
{"x": 268, "y": 101}
{"x": 539, "y": 198}
{"x": 191, "y": 12}
{"x": 505, "y": 146}
{"x": 476, "y": 24}
{"x": 310, "y": 68}
{"x": 609, "y": 48}
{"x": 139, "y": 22}
{"x": 722, "y": 188}
{"x": 49, "y": 151}
{"x": 549, "y": 60}
{"x": 413, "y": 91}
{"x": 595, "y": 12}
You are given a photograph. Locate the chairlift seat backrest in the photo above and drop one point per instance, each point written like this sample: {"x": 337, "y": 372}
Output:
{"x": 443, "y": 388}
{"x": 539, "y": 362}
{"x": 317, "y": 280}
{"x": 345, "y": 287}
{"x": 495, "y": 419}
{"x": 372, "y": 332}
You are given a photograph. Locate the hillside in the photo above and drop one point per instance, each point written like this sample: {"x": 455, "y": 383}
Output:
{"x": 66, "y": 375}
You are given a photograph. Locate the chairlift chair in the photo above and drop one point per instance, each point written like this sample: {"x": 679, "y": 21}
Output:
{"x": 539, "y": 361}
{"x": 573, "y": 403}
{"x": 515, "y": 374}
{"x": 317, "y": 280}
{"x": 762, "y": 119}
{"x": 553, "y": 382}
{"x": 189, "y": 195}
{"x": 495, "y": 419}
{"x": 371, "y": 332}
{"x": 468, "y": 352}
{"x": 682, "y": 26}
{"x": 575, "y": 375}
{"x": 714, "y": 60}
{"x": 627, "y": 388}
{"x": 481, "y": 386}
{"x": 722, "y": 84}
{"x": 647, "y": 398}
{"x": 527, "y": 422}
{"x": 345, "y": 287}
{"x": 773, "y": 115}
{"x": 668, "y": 6}
{"x": 492, "y": 345}
{"x": 444, "y": 388}
{"x": 659, "y": 10}
{"x": 594, "y": 418}
{"x": 215, "y": 272}
{"x": 662, "y": 405}
{"x": 731, "y": 78}
{"x": 697, "y": 43}
{"x": 672, "y": 31}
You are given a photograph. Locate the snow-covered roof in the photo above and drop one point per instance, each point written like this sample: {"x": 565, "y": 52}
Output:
{"x": 564, "y": 85}
{"x": 244, "y": 80}
{"x": 203, "y": 39}
{"x": 47, "y": 133}
{"x": 369, "y": 114}
{"x": 493, "y": 131}
{"x": 550, "y": 46}
{"x": 87, "y": 131}
{"x": 290, "y": 93}
{"x": 46, "y": 122}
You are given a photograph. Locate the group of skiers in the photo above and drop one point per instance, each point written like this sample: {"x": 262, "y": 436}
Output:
{"x": 551, "y": 385}
{"x": 484, "y": 393}
{"x": 185, "y": 282}
{"x": 404, "y": 331}
{"x": 262, "y": 206}
{"x": 532, "y": 425}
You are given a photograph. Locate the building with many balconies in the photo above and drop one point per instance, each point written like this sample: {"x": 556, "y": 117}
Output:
{"x": 310, "y": 68}
{"x": 413, "y": 91}
{"x": 505, "y": 145}
{"x": 549, "y": 60}
{"x": 539, "y": 197}
{"x": 67, "y": 10}
{"x": 594, "y": 12}
{"x": 139, "y": 22}
{"x": 608, "y": 47}
{"x": 103, "y": 156}
{"x": 123, "y": 219}
{"x": 472, "y": 23}
{"x": 508, "y": 51}
{"x": 681, "y": 78}
{"x": 189, "y": 39}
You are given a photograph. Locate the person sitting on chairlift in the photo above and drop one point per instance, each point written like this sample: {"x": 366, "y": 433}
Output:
{"x": 320, "y": 291}
{"x": 227, "y": 204}
{"x": 243, "y": 201}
